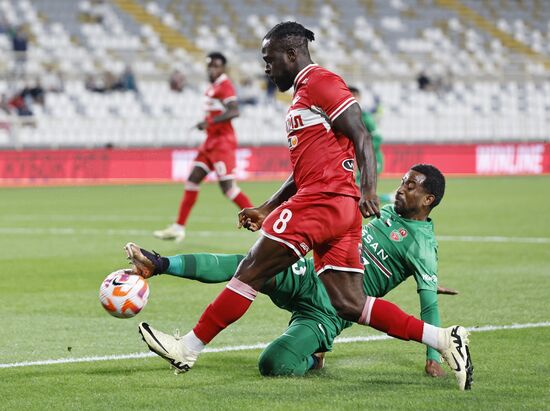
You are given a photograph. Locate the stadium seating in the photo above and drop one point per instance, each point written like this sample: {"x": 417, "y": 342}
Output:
{"x": 487, "y": 60}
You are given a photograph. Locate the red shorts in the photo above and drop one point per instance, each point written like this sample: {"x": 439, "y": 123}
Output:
{"x": 223, "y": 162}
{"x": 328, "y": 224}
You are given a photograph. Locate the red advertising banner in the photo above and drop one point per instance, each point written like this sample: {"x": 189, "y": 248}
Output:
{"x": 100, "y": 165}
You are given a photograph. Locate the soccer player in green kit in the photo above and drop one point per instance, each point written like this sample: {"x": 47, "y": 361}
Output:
{"x": 370, "y": 124}
{"x": 399, "y": 244}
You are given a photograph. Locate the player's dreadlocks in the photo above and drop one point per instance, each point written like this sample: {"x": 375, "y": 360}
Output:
{"x": 434, "y": 182}
{"x": 290, "y": 34}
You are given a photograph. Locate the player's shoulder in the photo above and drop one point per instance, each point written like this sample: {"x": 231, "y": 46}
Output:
{"x": 320, "y": 74}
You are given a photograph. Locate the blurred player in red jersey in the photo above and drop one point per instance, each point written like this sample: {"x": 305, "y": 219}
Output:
{"x": 217, "y": 152}
{"x": 318, "y": 208}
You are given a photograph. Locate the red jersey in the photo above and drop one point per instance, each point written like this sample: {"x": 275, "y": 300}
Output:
{"x": 217, "y": 95}
{"x": 322, "y": 160}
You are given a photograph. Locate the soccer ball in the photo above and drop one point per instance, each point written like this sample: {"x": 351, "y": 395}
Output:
{"x": 123, "y": 295}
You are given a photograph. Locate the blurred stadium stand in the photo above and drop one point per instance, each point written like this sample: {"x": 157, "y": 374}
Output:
{"x": 487, "y": 60}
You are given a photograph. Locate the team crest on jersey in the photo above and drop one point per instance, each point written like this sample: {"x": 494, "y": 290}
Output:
{"x": 396, "y": 236}
{"x": 292, "y": 142}
{"x": 348, "y": 164}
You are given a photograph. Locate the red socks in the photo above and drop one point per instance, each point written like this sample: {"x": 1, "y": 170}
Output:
{"x": 389, "y": 318}
{"x": 228, "y": 307}
{"x": 187, "y": 203}
{"x": 242, "y": 201}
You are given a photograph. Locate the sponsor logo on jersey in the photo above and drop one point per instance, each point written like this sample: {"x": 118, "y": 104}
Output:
{"x": 304, "y": 247}
{"x": 403, "y": 232}
{"x": 293, "y": 122}
{"x": 348, "y": 164}
{"x": 292, "y": 142}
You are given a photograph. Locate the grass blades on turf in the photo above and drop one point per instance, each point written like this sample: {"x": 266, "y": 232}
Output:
{"x": 58, "y": 243}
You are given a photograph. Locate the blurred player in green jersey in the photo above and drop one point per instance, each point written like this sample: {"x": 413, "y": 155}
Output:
{"x": 370, "y": 124}
{"x": 398, "y": 245}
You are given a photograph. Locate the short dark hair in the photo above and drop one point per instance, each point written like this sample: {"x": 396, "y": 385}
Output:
{"x": 290, "y": 34}
{"x": 353, "y": 89}
{"x": 218, "y": 56}
{"x": 434, "y": 183}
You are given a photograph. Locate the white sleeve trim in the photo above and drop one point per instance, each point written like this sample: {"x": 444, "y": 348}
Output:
{"x": 342, "y": 108}
{"x": 229, "y": 99}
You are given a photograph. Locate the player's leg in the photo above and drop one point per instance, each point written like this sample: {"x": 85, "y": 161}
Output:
{"x": 387, "y": 317}
{"x": 295, "y": 352}
{"x": 266, "y": 258}
{"x": 176, "y": 231}
{"x": 232, "y": 191}
{"x": 337, "y": 262}
{"x": 224, "y": 166}
{"x": 203, "y": 267}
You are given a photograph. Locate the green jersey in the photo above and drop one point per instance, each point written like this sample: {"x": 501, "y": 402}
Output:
{"x": 394, "y": 249}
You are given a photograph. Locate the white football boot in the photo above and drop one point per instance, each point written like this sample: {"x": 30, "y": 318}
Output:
{"x": 172, "y": 232}
{"x": 457, "y": 354}
{"x": 171, "y": 348}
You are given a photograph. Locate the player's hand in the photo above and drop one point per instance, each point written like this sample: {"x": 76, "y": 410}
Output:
{"x": 433, "y": 369}
{"x": 251, "y": 218}
{"x": 369, "y": 205}
{"x": 448, "y": 291}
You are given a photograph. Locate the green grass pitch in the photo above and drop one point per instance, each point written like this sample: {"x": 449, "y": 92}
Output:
{"x": 58, "y": 243}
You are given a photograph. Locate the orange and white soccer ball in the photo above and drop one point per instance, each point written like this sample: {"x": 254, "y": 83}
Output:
{"x": 122, "y": 294}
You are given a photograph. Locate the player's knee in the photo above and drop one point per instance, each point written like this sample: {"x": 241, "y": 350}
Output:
{"x": 275, "y": 361}
{"x": 347, "y": 310}
{"x": 192, "y": 186}
{"x": 232, "y": 191}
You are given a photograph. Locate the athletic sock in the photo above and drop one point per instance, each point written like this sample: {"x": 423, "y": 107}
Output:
{"x": 187, "y": 203}
{"x": 204, "y": 267}
{"x": 228, "y": 307}
{"x": 242, "y": 201}
{"x": 312, "y": 362}
{"x": 389, "y": 318}
{"x": 432, "y": 337}
{"x": 238, "y": 197}
{"x": 192, "y": 342}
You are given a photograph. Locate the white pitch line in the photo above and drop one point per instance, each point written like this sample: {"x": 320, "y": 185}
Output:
{"x": 237, "y": 233}
{"x": 339, "y": 340}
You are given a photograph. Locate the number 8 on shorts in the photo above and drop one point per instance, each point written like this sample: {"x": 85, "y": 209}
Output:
{"x": 279, "y": 225}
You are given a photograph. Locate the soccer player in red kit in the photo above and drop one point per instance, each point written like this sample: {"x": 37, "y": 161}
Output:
{"x": 217, "y": 152}
{"x": 318, "y": 208}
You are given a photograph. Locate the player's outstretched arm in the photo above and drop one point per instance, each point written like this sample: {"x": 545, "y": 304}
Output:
{"x": 350, "y": 124}
{"x": 252, "y": 218}
{"x": 429, "y": 313}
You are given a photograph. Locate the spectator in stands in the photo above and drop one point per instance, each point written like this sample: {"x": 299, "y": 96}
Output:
{"x": 19, "y": 105}
{"x": 247, "y": 92}
{"x": 128, "y": 80}
{"x": 19, "y": 43}
{"x": 424, "y": 82}
{"x": 177, "y": 81}
{"x": 5, "y": 27}
{"x": 33, "y": 94}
